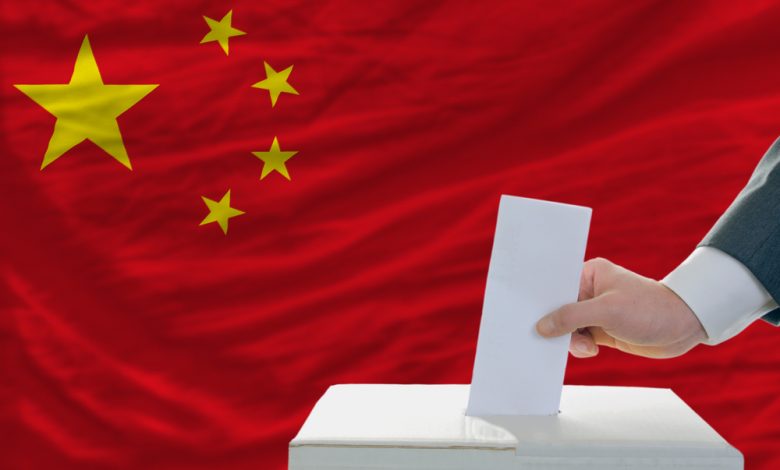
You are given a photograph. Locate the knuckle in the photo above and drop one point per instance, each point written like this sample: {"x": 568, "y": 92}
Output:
{"x": 599, "y": 263}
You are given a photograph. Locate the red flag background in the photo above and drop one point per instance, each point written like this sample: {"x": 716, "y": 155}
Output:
{"x": 134, "y": 338}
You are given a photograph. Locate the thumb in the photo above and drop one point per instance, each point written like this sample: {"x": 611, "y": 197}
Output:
{"x": 591, "y": 312}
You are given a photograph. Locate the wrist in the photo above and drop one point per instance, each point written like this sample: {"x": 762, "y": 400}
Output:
{"x": 691, "y": 332}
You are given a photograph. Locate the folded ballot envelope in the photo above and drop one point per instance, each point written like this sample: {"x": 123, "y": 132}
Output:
{"x": 516, "y": 413}
{"x": 425, "y": 427}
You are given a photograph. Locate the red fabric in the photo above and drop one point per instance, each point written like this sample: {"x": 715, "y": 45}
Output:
{"x": 133, "y": 338}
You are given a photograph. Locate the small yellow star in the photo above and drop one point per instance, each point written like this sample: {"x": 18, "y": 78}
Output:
{"x": 86, "y": 109}
{"x": 276, "y": 82}
{"x": 274, "y": 159}
{"x": 221, "y": 31}
{"x": 220, "y": 212}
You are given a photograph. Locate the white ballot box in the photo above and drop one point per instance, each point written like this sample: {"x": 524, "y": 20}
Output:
{"x": 424, "y": 427}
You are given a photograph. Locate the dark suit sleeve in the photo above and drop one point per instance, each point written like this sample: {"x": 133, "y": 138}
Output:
{"x": 749, "y": 230}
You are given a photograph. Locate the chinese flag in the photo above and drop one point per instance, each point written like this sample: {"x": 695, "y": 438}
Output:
{"x": 211, "y": 211}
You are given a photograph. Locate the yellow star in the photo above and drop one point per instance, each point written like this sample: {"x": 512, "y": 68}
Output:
{"x": 276, "y": 82}
{"x": 221, "y": 31}
{"x": 86, "y": 109}
{"x": 220, "y": 212}
{"x": 274, "y": 159}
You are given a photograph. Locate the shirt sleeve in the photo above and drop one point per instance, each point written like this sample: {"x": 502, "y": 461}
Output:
{"x": 723, "y": 294}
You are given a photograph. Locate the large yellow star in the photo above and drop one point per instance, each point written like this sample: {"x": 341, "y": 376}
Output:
{"x": 221, "y": 31}
{"x": 86, "y": 109}
{"x": 274, "y": 159}
{"x": 220, "y": 212}
{"x": 276, "y": 82}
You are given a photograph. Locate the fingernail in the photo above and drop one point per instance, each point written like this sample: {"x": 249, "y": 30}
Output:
{"x": 545, "y": 326}
{"x": 582, "y": 347}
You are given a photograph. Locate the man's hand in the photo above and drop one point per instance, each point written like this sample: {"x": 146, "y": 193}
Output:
{"x": 621, "y": 309}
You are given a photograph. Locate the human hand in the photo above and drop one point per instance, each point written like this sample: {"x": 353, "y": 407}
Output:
{"x": 623, "y": 310}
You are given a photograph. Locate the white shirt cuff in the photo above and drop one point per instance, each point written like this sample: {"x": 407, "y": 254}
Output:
{"x": 723, "y": 294}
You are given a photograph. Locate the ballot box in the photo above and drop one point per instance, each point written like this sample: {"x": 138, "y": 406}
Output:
{"x": 378, "y": 427}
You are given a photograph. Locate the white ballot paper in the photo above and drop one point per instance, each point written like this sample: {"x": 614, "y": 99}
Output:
{"x": 535, "y": 267}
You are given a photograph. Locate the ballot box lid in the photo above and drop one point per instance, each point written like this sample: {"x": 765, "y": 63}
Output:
{"x": 379, "y": 426}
